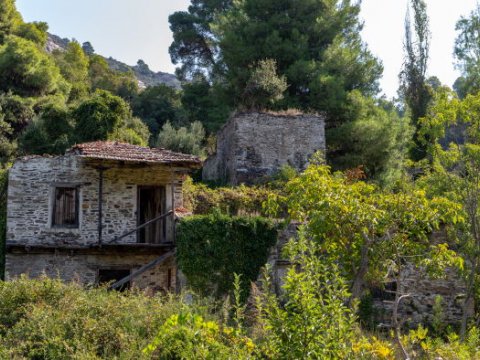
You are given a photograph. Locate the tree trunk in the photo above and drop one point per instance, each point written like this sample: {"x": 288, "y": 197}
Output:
{"x": 358, "y": 281}
{"x": 395, "y": 322}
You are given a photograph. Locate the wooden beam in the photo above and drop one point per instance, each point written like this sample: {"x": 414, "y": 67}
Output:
{"x": 144, "y": 268}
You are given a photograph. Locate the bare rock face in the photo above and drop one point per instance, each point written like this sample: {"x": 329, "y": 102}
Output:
{"x": 254, "y": 145}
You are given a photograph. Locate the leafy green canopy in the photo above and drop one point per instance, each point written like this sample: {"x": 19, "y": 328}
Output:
{"x": 316, "y": 45}
{"x": 467, "y": 53}
{"x": 158, "y": 105}
{"x": 10, "y": 18}
{"x": 455, "y": 173}
{"x": 186, "y": 140}
{"x": 212, "y": 248}
{"x": 368, "y": 232}
{"x": 102, "y": 116}
{"x": 310, "y": 319}
{"x": 28, "y": 71}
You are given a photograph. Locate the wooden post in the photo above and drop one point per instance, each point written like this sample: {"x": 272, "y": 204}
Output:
{"x": 173, "y": 204}
{"x": 100, "y": 169}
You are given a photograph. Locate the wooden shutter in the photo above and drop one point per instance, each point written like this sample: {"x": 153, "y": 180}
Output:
{"x": 65, "y": 207}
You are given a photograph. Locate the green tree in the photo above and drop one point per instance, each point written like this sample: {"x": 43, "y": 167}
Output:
{"x": 359, "y": 226}
{"x": 123, "y": 84}
{"x": 316, "y": 45}
{"x": 206, "y": 103}
{"x": 9, "y": 18}
{"x": 467, "y": 53}
{"x": 265, "y": 87}
{"x": 377, "y": 140}
{"x": 310, "y": 319}
{"x": 35, "y": 32}
{"x": 186, "y": 140}
{"x": 52, "y": 132}
{"x": 100, "y": 116}
{"x": 158, "y": 105}
{"x": 414, "y": 88}
{"x": 88, "y": 48}
{"x": 194, "y": 44}
{"x": 28, "y": 71}
{"x": 73, "y": 64}
{"x": 455, "y": 174}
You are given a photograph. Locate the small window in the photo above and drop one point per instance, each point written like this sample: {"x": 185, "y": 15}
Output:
{"x": 65, "y": 207}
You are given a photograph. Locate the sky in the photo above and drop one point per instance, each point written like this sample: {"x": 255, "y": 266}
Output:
{"x": 129, "y": 30}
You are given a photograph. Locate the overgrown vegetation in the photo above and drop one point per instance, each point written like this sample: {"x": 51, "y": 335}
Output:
{"x": 212, "y": 248}
{"x": 401, "y": 181}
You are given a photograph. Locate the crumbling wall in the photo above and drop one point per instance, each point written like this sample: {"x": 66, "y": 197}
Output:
{"x": 414, "y": 310}
{"x": 254, "y": 145}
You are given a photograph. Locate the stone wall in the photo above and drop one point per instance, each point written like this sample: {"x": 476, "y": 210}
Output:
{"x": 30, "y": 194}
{"x": 255, "y": 145}
{"x": 414, "y": 310}
{"x": 84, "y": 268}
{"x": 32, "y": 182}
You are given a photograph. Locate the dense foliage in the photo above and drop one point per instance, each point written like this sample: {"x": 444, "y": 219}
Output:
{"x": 211, "y": 248}
{"x": 240, "y": 200}
{"x": 360, "y": 227}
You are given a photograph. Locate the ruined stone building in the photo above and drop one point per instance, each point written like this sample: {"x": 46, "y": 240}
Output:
{"x": 104, "y": 211}
{"x": 254, "y": 145}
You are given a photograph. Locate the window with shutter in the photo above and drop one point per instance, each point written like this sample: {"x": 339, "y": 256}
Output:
{"x": 65, "y": 207}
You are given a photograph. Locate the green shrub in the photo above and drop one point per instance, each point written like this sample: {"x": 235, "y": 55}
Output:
{"x": 240, "y": 200}
{"x": 310, "y": 320}
{"x": 212, "y": 248}
{"x": 46, "y": 319}
{"x": 189, "y": 336}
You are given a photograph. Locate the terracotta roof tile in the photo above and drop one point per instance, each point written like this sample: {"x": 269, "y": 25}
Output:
{"x": 110, "y": 150}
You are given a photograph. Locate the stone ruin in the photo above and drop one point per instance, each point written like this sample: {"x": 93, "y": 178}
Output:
{"x": 254, "y": 145}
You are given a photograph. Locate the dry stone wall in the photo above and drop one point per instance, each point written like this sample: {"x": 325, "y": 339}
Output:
{"x": 252, "y": 146}
{"x": 414, "y": 310}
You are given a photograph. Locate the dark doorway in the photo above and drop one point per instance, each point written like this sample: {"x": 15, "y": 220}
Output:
{"x": 111, "y": 276}
{"x": 151, "y": 204}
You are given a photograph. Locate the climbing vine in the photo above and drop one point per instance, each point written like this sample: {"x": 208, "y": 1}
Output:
{"x": 212, "y": 248}
{"x": 3, "y": 219}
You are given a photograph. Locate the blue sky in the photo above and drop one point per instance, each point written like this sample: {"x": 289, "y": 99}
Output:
{"x": 132, "y": 29}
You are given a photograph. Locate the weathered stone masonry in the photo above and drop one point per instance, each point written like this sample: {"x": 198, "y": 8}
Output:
{"x": 254, "y": 145}
{"x": 35, "y": 247}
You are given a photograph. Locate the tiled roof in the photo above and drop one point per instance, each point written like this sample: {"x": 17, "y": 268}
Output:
{"x": 111, "y": 150}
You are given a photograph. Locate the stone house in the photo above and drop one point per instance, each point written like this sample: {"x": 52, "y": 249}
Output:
{"x": 104, "y": 211}
{"x": 254, "y": 145}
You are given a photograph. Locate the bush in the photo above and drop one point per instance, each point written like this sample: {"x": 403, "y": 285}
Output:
{"x": 189, "y": 336}
{"x": 265, "y": 87}
{"x": 310, "y": 320}
{"x": 46, "y": 319}
{"x": 240, "y": 200}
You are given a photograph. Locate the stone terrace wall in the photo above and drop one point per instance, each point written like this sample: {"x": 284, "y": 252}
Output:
{"x": 254, "y": 145}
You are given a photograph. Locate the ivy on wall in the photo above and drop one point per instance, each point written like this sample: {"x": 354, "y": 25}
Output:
{"x": 3, "y": 219}
{"x": 212, "y": 248}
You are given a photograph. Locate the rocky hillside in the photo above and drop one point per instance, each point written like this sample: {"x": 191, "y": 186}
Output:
{"x": 145, "y": 76}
